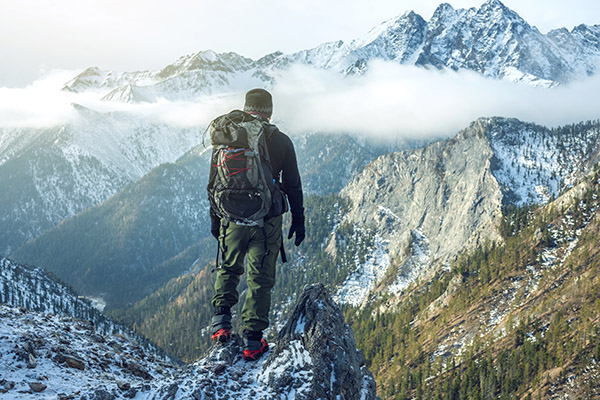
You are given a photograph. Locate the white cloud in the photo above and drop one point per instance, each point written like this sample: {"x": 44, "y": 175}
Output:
{"x": 44, "y": 104}
{"x": 390, "y": 100}
{"x": 400, "y": 100}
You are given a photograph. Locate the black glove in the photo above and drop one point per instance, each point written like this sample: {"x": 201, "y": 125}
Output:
{"x": 297, "y": 227}
{"x": 215, "y": 225}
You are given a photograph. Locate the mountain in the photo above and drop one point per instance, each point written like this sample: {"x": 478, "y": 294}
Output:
{"x": 35, "y": 289}
{"x": 55, "y": 173}
{"x": 424, "y": 207}
{"x": 492, "y": 40}
{"x": 518, "y": 319}
{"x": 153, "y": 230}
{"x": 51, "y": 356}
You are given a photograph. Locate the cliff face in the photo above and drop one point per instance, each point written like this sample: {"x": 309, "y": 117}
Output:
{"x": 426, "y": 206}
{"x": 444, "y": 193}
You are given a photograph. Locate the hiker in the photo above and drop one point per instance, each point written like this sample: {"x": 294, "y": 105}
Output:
{"x": 256, "y": 237}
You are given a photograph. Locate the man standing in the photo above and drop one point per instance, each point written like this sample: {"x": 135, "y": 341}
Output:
{"x": 258, "y": 243}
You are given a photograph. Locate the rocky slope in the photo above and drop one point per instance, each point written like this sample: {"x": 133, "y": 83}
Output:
{"x": 56, "y": 357}
{"x": 492, "y": 40}
{"x": 515, "y": 320}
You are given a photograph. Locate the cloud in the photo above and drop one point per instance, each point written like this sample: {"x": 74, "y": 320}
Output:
{"x": 44, "y": 104}
{"x": 408, "y": 101}
{"x": 389, "y": 100}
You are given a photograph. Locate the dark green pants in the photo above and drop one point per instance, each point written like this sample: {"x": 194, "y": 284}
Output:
{"x": 237, "y": 243}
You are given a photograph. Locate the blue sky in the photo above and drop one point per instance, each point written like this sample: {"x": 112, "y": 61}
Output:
{"x": 39, "y": 36}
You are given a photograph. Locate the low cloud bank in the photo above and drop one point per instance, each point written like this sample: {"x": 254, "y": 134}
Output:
{"x": 389, "y": 100}
{"x": 398, "y": 100}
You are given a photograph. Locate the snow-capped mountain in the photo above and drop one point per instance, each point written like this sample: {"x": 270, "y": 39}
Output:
{"x": 492, "y": 40}
{"x": 55, "y": 173}
{"x": 426, "y": 206}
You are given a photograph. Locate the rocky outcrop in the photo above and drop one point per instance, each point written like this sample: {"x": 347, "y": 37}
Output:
{"x": 313, "y": 357}
{"x": 317, "y": 334}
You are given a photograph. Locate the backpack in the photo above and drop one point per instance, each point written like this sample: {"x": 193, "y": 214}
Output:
{"x": 240, "y": 185}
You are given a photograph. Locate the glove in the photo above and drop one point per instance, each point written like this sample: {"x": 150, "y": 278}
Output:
{"x": 297, "y": 227}
{"x": 215, "y": 225}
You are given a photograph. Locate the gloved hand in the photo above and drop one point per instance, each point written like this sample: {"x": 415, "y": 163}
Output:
{"x": 297, "y": 227}
{"x": 215, "y": 225}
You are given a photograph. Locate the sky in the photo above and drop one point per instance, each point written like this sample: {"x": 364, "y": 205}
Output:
{"x": 39, "y": 37}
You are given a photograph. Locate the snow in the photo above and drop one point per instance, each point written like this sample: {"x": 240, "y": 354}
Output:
{"x": 358, "y": 285}
{"x": 535, "y": 163}
{"x": 300, "y": 324}
{"x": 417, "y": 263}
{"x": 48, "y": 334}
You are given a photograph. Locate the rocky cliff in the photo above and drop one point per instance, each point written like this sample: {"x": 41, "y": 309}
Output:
{"x": 426, "y": 206}
{"x": 444, "y": 193}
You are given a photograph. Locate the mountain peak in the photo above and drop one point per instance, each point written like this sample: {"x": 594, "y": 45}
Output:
{"x": 494, "y": 4}
{"x": 444, "y": 7}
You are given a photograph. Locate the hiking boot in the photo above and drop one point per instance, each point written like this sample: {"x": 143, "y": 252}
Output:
{"x": 222, "y": 335}
{"x": 221, "y": 325}
{"x": 251, "y": 354}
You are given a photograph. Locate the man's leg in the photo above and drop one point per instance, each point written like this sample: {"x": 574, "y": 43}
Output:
{"x": 261, "y": 274}
{"x": 234, "y": 244}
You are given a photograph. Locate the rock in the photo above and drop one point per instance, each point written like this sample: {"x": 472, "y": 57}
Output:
{"x": 28, "y": 347}
{"x": 130, "y": 394}
{"x": 123, "y": 385}
{"x": 5, "y": 385}
{"x": 74, "y": 362}
{"x": 101, "y": 394}
{"x": 31, "y": 361}
{"x": 137, "y": 370}
{"x": 37, "y": 386}
{"x": 169, "y": 392}
{"x": 316, "y": 355}
{"x": 97, "y": 338}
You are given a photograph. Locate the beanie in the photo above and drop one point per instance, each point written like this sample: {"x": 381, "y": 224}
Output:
{"x": 259, "y": 101}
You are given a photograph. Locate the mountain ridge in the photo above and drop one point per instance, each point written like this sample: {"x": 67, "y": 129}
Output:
{"x": 54, "y": 356}
{"x": 492, "y": 40}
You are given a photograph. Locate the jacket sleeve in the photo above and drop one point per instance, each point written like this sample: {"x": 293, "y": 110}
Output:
{"x": 211, "y": 179}
{"x": 290, "y": 180}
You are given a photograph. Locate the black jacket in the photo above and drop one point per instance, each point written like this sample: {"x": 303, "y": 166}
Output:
{"x": 285, "y": 172}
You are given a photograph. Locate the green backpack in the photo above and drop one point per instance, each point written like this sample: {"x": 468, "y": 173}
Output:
{"x": 240, "y": 185}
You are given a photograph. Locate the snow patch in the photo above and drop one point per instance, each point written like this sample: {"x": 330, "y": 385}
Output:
{"x": 358, "y": 285}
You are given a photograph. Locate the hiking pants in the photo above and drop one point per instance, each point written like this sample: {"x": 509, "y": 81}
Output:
{"x": 238, "y": 242}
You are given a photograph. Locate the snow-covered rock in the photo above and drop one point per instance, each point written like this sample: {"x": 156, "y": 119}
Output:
{"x": 57, "y": 357}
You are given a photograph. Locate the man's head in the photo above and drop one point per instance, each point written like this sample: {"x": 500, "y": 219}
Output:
{"x": 259, "y": 101}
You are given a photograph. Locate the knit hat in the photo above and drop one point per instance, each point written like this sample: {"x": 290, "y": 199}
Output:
{"x": 259, "y": 101}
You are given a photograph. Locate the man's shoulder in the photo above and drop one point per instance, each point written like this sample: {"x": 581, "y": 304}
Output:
{"x": 278, "y": 136}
